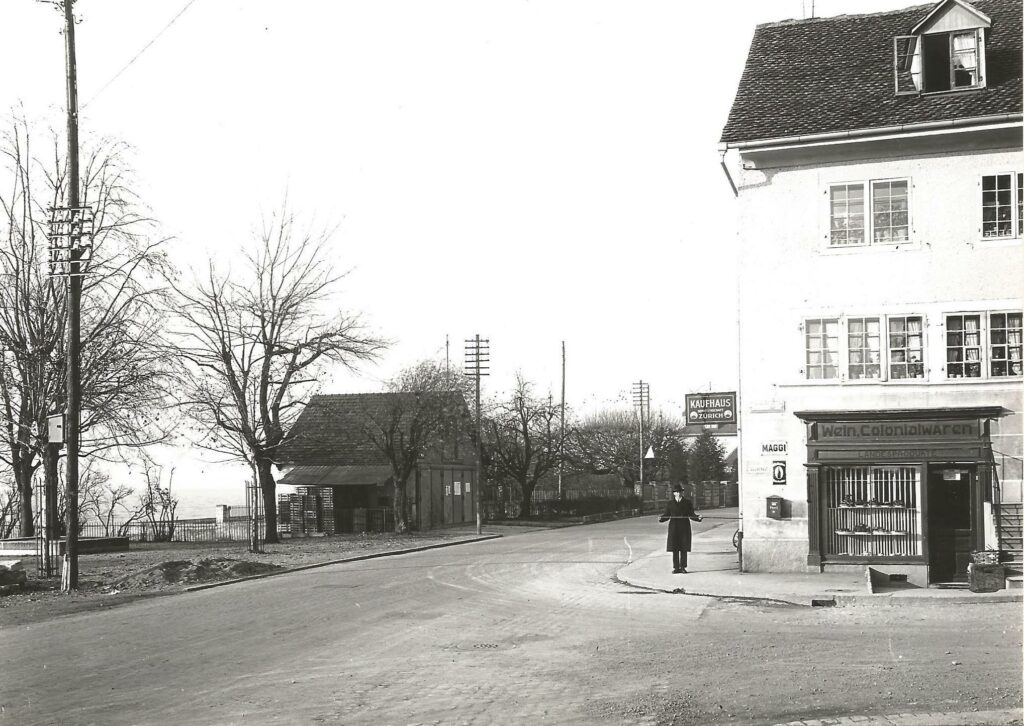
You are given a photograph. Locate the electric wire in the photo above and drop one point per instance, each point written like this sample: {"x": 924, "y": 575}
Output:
{"x": 146, "y": 47}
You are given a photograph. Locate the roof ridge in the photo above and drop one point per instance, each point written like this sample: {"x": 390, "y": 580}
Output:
{"x": 844, "y": 16}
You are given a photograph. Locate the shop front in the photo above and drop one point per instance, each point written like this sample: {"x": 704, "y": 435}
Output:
{"x": 903, "y": 491}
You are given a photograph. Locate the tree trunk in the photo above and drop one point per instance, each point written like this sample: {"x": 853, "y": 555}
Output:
{"x": 401, "y": 517}
{"x": 526, "y": 499}
{"x": 268, "y": 487}
{"x": 23, "y": 479}
{"x": 51, "y": 477}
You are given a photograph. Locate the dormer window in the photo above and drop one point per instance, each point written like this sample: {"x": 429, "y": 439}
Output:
{"x": 945, "y": 52}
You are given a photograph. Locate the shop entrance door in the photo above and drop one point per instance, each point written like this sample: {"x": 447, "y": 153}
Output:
{"x": 949, "y": 523}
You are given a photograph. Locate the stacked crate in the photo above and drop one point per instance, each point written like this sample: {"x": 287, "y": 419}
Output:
{"x": 327, "y": 511}
{"x": 284, "y": 518}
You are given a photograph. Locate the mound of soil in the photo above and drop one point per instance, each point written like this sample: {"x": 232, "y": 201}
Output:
{"x": 186, "y": 572}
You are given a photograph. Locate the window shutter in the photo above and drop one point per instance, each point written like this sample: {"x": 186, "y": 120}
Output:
{"x": 907, "y": 64}
{"x": 980, "y": 45}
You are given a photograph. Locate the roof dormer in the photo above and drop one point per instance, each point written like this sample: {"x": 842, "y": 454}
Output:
{"x": 944, "y": 52}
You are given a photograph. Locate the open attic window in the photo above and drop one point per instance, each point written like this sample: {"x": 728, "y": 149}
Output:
{"x": 945, "y": 52}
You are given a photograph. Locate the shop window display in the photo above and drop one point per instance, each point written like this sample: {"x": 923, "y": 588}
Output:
{"x": 872, "y": 511}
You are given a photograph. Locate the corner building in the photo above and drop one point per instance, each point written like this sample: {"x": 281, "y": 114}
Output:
{"x": 880, "y": 184}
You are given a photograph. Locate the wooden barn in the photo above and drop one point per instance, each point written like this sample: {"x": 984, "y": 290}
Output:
{"x": 342, "y": 480}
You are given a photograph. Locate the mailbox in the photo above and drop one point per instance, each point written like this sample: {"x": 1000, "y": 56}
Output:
{"x": 774, "y": 507}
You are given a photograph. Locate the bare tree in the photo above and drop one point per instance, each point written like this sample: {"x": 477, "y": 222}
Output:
{"x": 9, "y": 505}
{"x": 422, "y": 409}
{"x": 608, "y": 442}
{"x": 156, "y": 505}
{"x": 256, "y": 340}
{"x": 91, "y": 483}
{"x": 523, "y": 440}
{"x": 108, "y": 502}
{"x": 124, "y": 369}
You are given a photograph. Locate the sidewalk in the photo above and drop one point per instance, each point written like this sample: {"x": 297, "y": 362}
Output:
{"x": 713, "y": 571}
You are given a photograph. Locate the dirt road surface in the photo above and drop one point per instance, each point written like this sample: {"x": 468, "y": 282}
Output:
{"x": 526, "y": 629}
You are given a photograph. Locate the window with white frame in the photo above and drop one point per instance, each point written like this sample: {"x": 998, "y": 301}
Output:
{"x": 963, "y": 346}
{"x": 864, "y": 348}
{"x": 881, "y": 217}
{"x": 935, "y": 62}
{"x": 1005, "y": 344}
{"x": 821, "y": 348}
{"x": 980, "y": 345}
{"x": 906, "y": 347}
{"x": 1002, "y": 205}
{"x": 863, "y": 336}
{"x": 846, "y": 204}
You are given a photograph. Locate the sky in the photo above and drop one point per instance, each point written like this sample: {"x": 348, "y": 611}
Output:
{"x": 532, "y": 171}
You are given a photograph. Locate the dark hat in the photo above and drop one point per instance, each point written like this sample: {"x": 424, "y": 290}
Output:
{"x": 677, "y": 488}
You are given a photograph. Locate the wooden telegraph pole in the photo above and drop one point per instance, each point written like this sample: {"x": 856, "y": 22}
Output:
{"x": 477, "y": 359}
{"x": 71, "y": 244}
{"x": 561, "y": 435}
{"x": 642, "y": 399}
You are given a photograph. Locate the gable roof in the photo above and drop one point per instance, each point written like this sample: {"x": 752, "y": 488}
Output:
{"x": 836, "y": 74}
{"x": 948, "y": 6}
{"x": 331, "y": 430}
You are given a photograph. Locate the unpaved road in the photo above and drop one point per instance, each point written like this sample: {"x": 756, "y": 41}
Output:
{"x": 527, "y": 629}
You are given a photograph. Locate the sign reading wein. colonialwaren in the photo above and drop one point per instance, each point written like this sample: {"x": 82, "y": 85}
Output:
{"x": 711, "y": 408}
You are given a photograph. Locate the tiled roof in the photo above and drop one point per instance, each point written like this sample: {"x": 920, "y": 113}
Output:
{"x": 336, "y": 476}
{"x": 836, "y": 74}
{"x": 332, "y": 430}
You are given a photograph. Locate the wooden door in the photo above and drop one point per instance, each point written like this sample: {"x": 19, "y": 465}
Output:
{"x": 950, "y": 522}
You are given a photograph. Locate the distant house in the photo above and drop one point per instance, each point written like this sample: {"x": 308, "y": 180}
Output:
{"x": 343, "y": 481}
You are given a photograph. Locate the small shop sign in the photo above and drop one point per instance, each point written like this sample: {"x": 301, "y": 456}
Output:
{"x": 711, "y": 408}
{"x": 773, "y": 448}
{"x": 889, "y": 430}
{"x": 779, "y": 473}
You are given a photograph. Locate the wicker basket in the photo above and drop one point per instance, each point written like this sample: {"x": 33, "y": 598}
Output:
{"x": 985, "y": 557}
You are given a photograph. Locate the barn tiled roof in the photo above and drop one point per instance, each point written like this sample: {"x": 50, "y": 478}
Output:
{"x": 332, "y": 430}
{"x": 836, "y": 74}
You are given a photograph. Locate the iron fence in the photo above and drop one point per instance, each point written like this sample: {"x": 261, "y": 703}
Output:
{"x": 180, "y": 530}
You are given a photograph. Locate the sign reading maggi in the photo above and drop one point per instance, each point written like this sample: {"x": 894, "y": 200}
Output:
{"x": 711, "y": 408}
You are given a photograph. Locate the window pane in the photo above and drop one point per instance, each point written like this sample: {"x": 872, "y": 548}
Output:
{"x": 885, "y": 197}
{"x": 1005, "y": 349}
{"x": 863, "y": 348}
{"x": 821, "y": 348}
{"x": 906, "y": 347}
{"x": 997, "y": 205}
{"x": 1020, "y": 202}
{"x": 964, "y": 59}
{"x": 963, "y": 343}
{"x": 846, "y": 209}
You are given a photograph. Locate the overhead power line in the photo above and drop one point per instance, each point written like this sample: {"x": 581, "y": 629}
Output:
{"x": 146, "y": 47}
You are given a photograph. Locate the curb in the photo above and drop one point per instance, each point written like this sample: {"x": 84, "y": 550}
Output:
{"x": 265, "y": 575}
{"x": 831, "y": 600}
{"x": 827, "y": 599}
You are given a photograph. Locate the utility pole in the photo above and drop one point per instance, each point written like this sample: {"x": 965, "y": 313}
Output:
{"x": 561, "y": 437}
{"x": 478, "y": 357}
{"x": 73, "y": 224}
{"x": 641, "y": 399}
{"x": 74, "y": 309}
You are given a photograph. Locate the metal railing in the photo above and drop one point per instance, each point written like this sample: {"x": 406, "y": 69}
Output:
{"x": 181, "y": 530}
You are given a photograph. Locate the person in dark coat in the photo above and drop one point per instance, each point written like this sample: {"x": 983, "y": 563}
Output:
{"x": 678, "y": 513}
